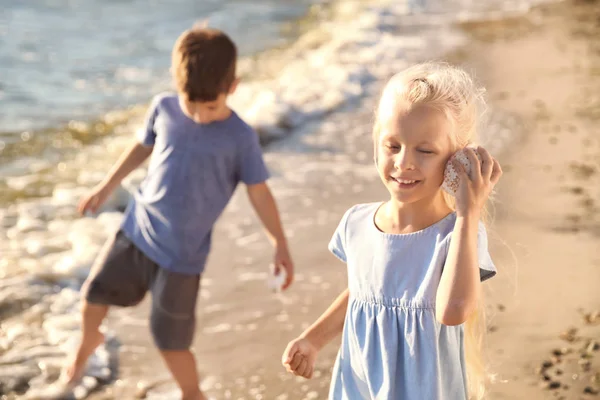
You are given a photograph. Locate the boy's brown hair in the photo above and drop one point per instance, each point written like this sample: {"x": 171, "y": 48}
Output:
{"x": 203, "y": 63}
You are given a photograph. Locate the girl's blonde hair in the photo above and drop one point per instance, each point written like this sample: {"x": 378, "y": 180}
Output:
{"x": 453, "y": 92}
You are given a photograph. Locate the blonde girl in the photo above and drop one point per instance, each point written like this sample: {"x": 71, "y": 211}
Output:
{"x": 415, "y": 262}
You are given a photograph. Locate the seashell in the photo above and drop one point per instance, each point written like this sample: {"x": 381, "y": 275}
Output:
{"x": 451, "y": 178}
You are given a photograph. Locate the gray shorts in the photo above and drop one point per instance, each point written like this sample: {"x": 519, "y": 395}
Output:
{"x": 122, "y": 275}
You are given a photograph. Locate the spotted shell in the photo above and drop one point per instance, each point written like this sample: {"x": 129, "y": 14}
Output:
{"x": 451, "y": 179}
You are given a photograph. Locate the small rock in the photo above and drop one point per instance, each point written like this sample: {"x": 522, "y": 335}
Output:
{"x": 539, "y": 370}
{"x": 555, "y": 360}
{"x": 569, "y": 335}
{"x": 590, "y": 390}
{"x": 547, "y": 364}
{"x": 592, "y": 346}
{"x": 592, "y": 318}
{"x": 584, "y": 364}
{"x": 546, "y": 377}
{"x": 560, "y": 352}
{"x": 552, "y": 385}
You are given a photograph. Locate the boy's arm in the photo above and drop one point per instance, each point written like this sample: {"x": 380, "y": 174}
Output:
{"x": 129, "y": 160}
{"x": 264, "y": 204}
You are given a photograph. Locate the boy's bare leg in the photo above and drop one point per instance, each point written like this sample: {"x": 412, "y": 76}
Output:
{"x": 182, "y": 365}
{"x": 92, "y": 316}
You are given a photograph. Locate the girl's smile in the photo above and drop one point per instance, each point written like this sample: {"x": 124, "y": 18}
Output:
{"x": 406, "y": 184}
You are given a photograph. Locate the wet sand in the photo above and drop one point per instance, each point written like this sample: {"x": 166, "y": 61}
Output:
{"x": 542, "y": 73}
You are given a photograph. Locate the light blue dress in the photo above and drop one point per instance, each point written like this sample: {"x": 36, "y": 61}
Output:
{"x": 392, "y": 345}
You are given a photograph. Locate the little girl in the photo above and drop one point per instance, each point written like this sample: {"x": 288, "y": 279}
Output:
{"x": 415, "y": 261}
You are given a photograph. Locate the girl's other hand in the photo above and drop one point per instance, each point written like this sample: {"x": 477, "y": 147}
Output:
{"x": 299, "y": 357}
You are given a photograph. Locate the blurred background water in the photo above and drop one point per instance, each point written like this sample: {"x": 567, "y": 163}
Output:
{"x": 65, "y": 59}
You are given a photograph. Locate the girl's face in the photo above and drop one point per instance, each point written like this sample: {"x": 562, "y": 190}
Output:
{"x": 412, "y": 150}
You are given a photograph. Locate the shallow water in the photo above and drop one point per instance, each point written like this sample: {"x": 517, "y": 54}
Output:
{"x": 65, "y": 60}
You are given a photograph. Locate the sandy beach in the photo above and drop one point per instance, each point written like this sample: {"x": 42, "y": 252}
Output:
{"x": 544, "y": 308}
{"x": 542, "y": 73}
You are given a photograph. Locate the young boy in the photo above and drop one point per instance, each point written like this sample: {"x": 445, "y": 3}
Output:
{"x": 201, "y": 150}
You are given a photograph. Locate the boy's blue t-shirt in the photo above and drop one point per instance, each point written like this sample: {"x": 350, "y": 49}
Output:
{"x": 193, "y": 172}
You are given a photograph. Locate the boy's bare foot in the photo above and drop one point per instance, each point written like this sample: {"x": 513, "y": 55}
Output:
{"x": 196, "y": 395}
{"x": 201, "y": 396}
{"x": 74, "y": 371}
{"x": 205, "y": 397}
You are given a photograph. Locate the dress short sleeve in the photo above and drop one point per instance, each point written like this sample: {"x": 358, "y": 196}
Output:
{"x": 337, "y": 244}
